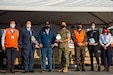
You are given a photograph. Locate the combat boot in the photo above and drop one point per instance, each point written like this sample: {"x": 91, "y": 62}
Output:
{"x": 65, "y": 69}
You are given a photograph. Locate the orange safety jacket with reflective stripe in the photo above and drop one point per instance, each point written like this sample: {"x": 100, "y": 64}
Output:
{"x": 80, "y": 37}
{"x": 11, "y": 39}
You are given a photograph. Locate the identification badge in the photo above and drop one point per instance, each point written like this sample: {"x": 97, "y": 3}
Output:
{"x": 12, "y": 37}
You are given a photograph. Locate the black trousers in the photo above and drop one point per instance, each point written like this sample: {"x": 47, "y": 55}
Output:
{"x": 106, "y": 56}
{"x": 11, "y": 55}
{"x": 2, "y": 56}
{"x": 28, "y": 55}
{"x": 19, "y": 55}
{"x": 93, "y": 50}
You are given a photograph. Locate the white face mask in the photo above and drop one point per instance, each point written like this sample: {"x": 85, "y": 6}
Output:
{"x": 93, "y": 27}
{"x": 28, "y": 25}
{"x": 12, "y": 25}
{"x": 79, "y": 29}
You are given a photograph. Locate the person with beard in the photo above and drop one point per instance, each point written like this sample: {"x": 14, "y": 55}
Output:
{"x": 27, "y": 41}
{"x": 63, "y": 47}
{"x": 46, "y": 40}
{"x": 80, "y": 40}
{"x": 93, "y": 43}
{"x": 9, "y": 43}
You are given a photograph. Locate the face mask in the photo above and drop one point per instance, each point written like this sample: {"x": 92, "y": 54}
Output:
{"x": 93, "y": 27}
{"x": 47, "y": 27}
{"x": 62, "y": 26}
{"x": 28, "y": 26}
{"x": 105, "y": 31}
{"x": 12, "y": 25}
{"x": 79, "y": 27}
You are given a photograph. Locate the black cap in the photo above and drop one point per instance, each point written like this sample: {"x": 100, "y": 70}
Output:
{"x": 78, "y": 23}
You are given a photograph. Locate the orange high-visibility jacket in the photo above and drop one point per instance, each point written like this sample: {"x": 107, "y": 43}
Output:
{"x": 80, "y": 37}
{"x": 9, "y": 41}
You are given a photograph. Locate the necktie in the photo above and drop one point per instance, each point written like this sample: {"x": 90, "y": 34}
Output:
{"x": 91, "y": 33}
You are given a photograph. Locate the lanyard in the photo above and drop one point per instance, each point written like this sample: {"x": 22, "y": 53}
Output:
{"x": 91, "y": 33}
{"x": 12, "y": 31}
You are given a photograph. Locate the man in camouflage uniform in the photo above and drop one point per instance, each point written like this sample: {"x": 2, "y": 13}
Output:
{"x": 63, "y": 47}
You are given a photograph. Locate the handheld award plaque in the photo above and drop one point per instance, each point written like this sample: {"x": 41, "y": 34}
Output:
{"x": 92, "y": 40}
{"x": 33, "y": 38}
{"x": 58, "y": 37}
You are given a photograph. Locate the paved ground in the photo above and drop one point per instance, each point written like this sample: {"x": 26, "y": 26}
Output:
{"x": 60, "y": 73}
{"x": 71, "y": 72}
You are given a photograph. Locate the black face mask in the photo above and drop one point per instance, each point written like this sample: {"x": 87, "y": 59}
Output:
{"x": 62, "y": 26}
{"x": 47, "y": 27}
{"x": 78, "y": 27}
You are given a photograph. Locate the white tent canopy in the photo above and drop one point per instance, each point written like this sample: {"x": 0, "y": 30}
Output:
{"x": 57, "y": 5}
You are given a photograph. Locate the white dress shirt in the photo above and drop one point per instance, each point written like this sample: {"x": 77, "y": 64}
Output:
{"x": 105, "y": 39}
{"x": 47, "y": 31}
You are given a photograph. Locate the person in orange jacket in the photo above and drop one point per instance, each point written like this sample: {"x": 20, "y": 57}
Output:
{"x": 79, "y": 37}
{"x": 9, "y": 43}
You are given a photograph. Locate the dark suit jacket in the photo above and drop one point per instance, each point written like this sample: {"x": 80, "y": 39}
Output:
{"x": 25, "y": 39}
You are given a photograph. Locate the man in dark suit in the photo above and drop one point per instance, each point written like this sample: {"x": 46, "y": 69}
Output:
{"x": 27, "y": 42}
{"x": 93, "y": 43}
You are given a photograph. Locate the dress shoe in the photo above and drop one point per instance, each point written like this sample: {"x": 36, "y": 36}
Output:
{"x": 12, "y": 71}
{"x": 8, "y": 71}
{"x": 83, "y": 69}
{"x": 50, "y": 70}
{"x": 77, "y": 69}
{"x": 31, "y": 71}
{"x": 25, "y": 72}
{"x": 43, "y": 71}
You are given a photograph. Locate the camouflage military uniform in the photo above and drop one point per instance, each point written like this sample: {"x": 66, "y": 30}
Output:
{"x": 64, "y": 48}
